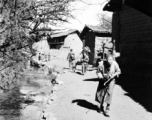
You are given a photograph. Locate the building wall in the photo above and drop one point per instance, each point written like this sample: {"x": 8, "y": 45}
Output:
{"x": 132, "y": 31}
{"x": 56, "y": 43}
{"x": 90, "y": 42}
{"x": 73, "y": 41}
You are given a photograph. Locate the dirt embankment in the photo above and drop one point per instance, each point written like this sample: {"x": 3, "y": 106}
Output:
{"x": 30, "y": 98}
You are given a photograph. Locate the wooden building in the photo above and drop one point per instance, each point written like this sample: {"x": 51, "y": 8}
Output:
{"x": 57, "y": 40}
{"x": 132, "y": 31}
{"x": 93, "y": 37}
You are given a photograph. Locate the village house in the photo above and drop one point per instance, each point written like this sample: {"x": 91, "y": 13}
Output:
{"x": 94, "y": 37}
{"x": 56, "y": 41}
{"x": 66, "y": 40}
{"x": 132, "y": 31}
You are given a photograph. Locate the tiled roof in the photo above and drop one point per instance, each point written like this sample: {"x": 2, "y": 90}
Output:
{"x": 64, "y": 33}
{"x": 98, "y": 29}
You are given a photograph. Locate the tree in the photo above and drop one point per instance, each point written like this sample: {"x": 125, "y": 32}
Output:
{"x": 105, "y": 21}
{"x": 20, "y": 23}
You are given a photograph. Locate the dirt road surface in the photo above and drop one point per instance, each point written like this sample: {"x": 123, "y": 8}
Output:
{"x": 75, "y": 100}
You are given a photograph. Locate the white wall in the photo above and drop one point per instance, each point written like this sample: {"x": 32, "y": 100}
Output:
{"x": 73, "y": 41}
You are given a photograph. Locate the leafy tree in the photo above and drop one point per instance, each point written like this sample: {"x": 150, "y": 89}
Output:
{"x": 20, "y": 24}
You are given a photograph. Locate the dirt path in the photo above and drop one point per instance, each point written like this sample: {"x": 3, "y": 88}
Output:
{"x": 75, "y": 100}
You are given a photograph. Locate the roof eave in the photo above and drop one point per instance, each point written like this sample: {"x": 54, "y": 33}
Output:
{"x": 113, "y": 7}
{"x": 57, "y": 36}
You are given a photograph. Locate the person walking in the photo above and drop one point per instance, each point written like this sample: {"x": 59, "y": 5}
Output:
{"x": 107, "y": 72}
{"x": 84, "y": 60}
{"x": 71, "y": 60}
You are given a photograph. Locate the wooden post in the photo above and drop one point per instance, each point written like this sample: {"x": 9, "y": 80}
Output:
{"x": 103, "y": 50}
{"x": 151, "y": 84}
{"x": 83, "y": 42}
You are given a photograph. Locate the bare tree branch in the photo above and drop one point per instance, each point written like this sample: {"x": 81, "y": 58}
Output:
{"x": 20, "y": 24}
{"x": 105, "y": 21}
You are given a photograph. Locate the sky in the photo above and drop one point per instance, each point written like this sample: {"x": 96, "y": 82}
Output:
{"x": 87, "y": 14}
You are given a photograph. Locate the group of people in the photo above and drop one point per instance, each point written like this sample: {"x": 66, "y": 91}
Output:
{"x": 84, "y": 59}
{"x": 107, "y": 72}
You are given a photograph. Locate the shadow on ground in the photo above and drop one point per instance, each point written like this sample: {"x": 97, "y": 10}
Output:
{"x": 85, "y": 104}
{"x": 138, "y": 89}
{"x": 92, "y": 79}
{"x": 79, "y": 73}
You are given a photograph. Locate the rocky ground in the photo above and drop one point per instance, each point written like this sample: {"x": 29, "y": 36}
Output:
{"x": 29, "y": 98}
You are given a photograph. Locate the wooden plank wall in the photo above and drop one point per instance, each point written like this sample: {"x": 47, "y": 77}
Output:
{"x": 132, "y": 31}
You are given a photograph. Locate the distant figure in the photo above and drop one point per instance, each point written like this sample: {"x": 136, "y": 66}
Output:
{"x": 84, "y": 60}
{"x": 52, "y": 76}
{"x": 107, "y": 72}
{"x": 43, "y": 116}
{"x": 71, "y": 59}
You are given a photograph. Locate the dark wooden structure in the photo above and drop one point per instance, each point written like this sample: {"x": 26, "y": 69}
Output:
{"x": 140, "y": 5}
{"x": 89, "y": 35}
{"x": 132, "y": 31}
